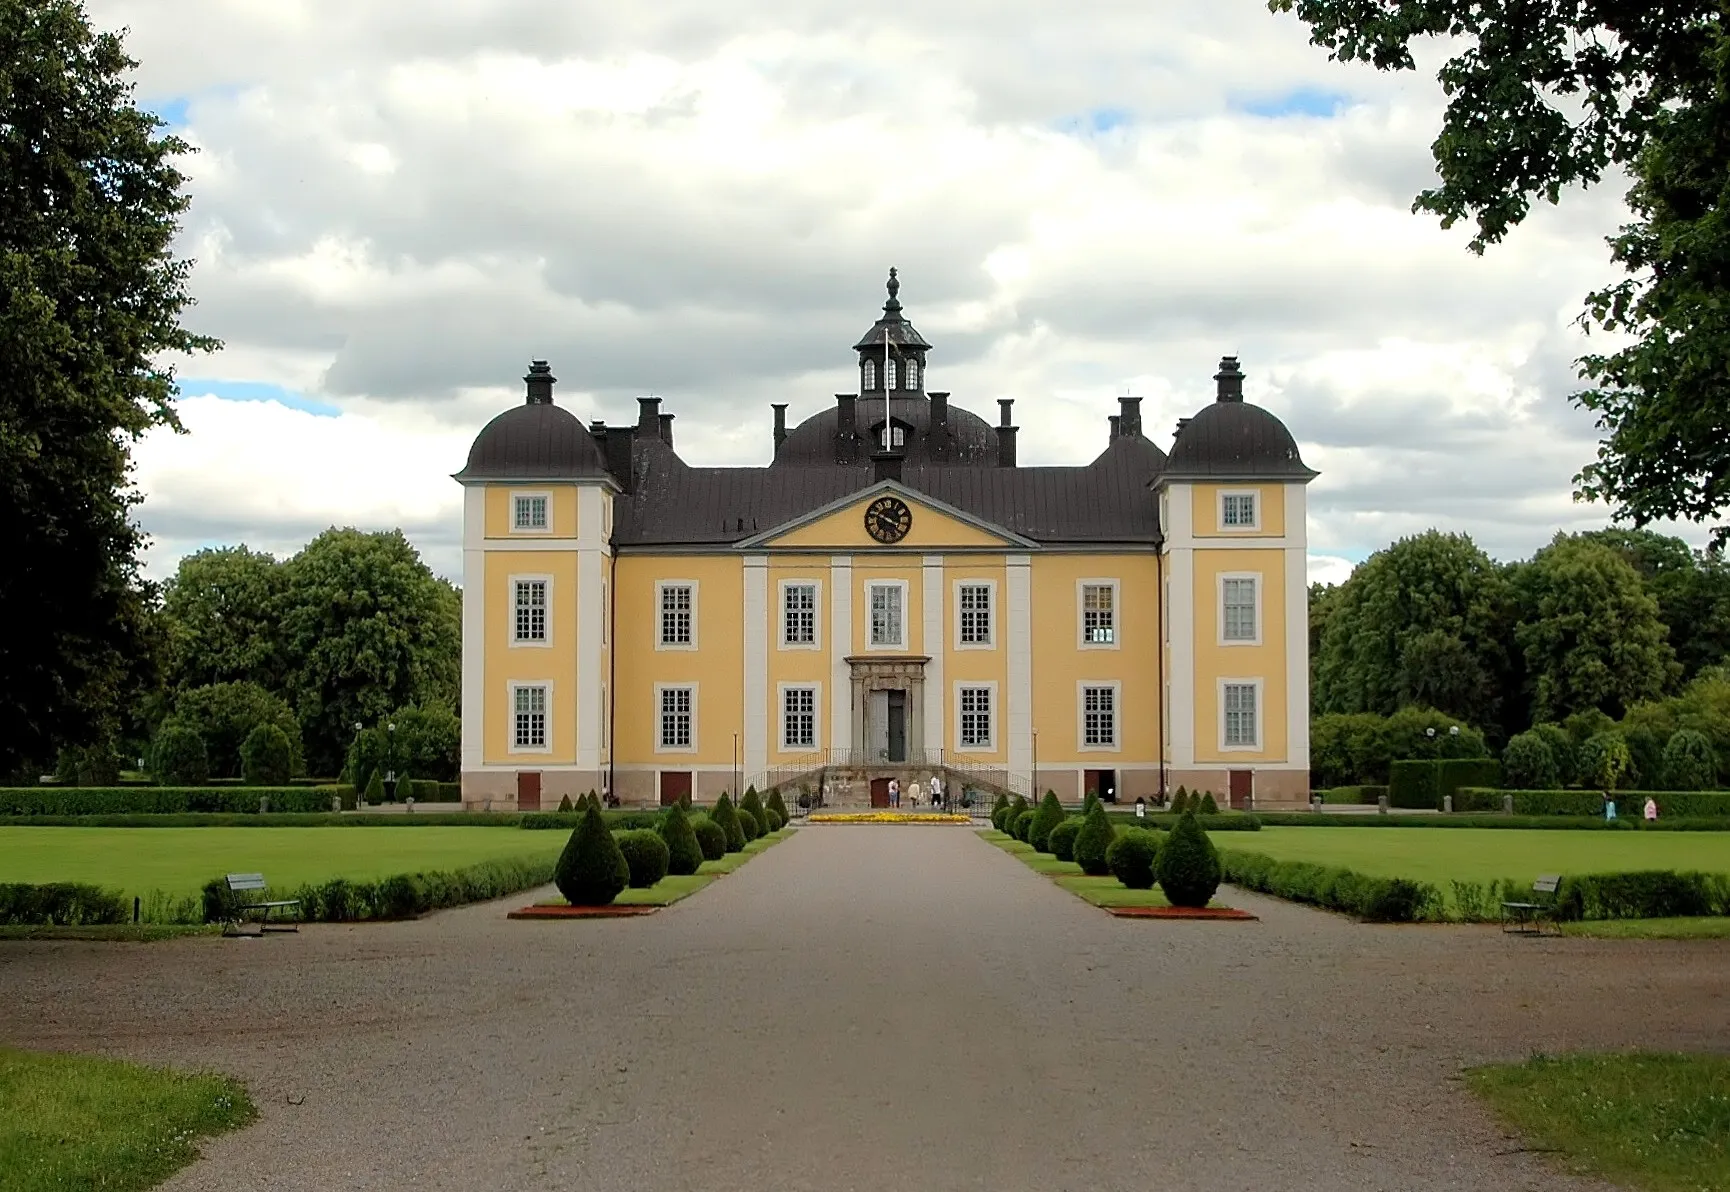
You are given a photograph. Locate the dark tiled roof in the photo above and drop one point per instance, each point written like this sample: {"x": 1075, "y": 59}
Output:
{"x": 1232, "y": 439}
{"x": 536, "y": 441}
{"x": 816, "y": 441}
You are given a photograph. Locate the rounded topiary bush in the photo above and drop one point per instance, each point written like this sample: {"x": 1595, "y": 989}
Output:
{"x": 1049, "y": 815}
{"x": 1528, "y": 764}
{"x": 592, "y": 870}
{"x": 1024, "y": 824}
{"x": 727, "y": 816}
{"x": 684, "y": 851}
{"x": 178, "y": 756}
{"x": 1689, "y": 763}
{"x": 266, "y": 757}
{"x": 711, "y": 837}
{"x": 1131, "y": 858}
{"x": 1016, "y": 806}
{"x": 646, "y": 856}
{"x": 749, "y": 824}
{"x": 1188, "y": 865}
{"x": 1091, "y": 842}
{"x": 1208, "y": 806}
{"x": 1062, "y": 839}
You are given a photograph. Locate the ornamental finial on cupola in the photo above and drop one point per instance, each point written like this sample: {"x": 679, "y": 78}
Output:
{"x": 894, "y": 288}
{"x": 540, "y": 381}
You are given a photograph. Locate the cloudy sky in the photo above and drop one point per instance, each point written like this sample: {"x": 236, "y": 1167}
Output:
{"x": 396, "y": 207}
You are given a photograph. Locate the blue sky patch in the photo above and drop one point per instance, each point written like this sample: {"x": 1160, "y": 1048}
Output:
{"x": 1096, "y": 122}
{"x": 173, "y": 109}
{"x": 257, "y": 391}
{"x": 1302, "y": 101}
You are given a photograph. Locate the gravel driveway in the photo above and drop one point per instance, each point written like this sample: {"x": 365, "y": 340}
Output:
{"x": 871, "y": 1008}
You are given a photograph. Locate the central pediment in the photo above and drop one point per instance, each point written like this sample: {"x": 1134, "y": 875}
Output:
{"x": 926, "y": 525}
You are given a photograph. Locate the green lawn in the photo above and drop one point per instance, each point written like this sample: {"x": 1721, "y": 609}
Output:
{"x": 1100, "y": 891}
{"x": 74, "y": 1121}
{"x": 674, "y": 888}
{"x": 1660, "y": 1123}
{"x": 1708, "y": 928}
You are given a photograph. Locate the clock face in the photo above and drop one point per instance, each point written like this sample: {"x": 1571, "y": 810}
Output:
{"x": 887, "y": 519}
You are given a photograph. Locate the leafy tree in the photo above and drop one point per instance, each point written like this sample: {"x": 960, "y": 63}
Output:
{"x": 591, "y": 871}
{"x": 178, "y": 756}
{"x": 88, "y": 765}
{"x": 1605, "y": 762}
{"x": 367, "y": 628}
{"x": 1692, "y": 590}
{"x": 1553, "y": 93}
{"x": 90, "y": 301}
{"x": 225, "y": 714}
{"x": 266, "y": 757}
{"x": 223, "y": 611}
{"x": 1689, "y": 764}
{"x": 1589, "y": 632}
{"x": 425, "y": 740}
{"x": 1528, "y": 764}
{"x": 1424, "y": 620}
{"x": 1563, "y": 749}
{"x": 1702, "y": 707}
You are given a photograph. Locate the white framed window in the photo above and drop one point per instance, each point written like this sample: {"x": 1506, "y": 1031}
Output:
{"x": 1239, "y": 510}
{"x": 675, "y": 718}
{"x": 530, "y": 705}
{"x": 606, "y": 717}
{"x": 530, "y": 598}
{"x": 1240, "y": 714}
{"x": 676, "y": 614}
{"x": 889, "y": 373}
{"x": 886, "y": 610}
{"x": 912, "y": 374}
{"x": 1096, "y": 608}
{"x": 1240, "y": 610}
{"x": 799, "y": 614}
{"x": 975, "y": 601}
{"x": 896, "y": 436}
{"x": 870, "y": 375}
{"x": 531, "y": 513}
{"x": 798, "y": 716}
{"x": 976, "y": 716}
{"x": 1098, "y": 710}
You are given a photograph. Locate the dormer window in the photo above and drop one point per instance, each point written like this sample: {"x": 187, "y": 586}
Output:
{"x": 912, "y": 374}
{"x": 870, "y": 375}
{"x": 896, "y": 438}
{"x": 889, "y": 373}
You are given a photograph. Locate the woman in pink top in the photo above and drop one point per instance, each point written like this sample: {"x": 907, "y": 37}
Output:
{"x": 1651, "y": 809}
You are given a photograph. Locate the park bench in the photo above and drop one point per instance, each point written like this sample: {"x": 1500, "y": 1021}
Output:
{"x": 1527, "y": 918}
{"x": 242, "y": 887}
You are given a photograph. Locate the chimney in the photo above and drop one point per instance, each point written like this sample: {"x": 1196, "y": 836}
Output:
{"x": 1005, "y": 434}
{"x": 780, "y": 408}
{"x": 540, "y": 381}
{"x": 1116, "y": 429}
{"x": 886, "y": 465}
{"x": 847, "y": 428}
{"x": 598, "y": 429}
{"x": 1130, "y": 422}
{"x": 940, "y": 409}
{"x": 1181, "y": 423}
{"x": 1229, "y": 379}
{"x": 649, "y": 417}
{"x": 617, "y": 449}
{"x": 666, "y": 429}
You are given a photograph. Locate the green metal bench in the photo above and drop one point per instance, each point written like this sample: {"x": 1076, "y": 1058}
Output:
{"x": 1527, "y": 918}
{"x": 245, "y": 884}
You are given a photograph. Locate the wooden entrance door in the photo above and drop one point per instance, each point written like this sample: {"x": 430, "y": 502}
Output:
{"x": 1241, "y": 783}
{"x": 879, "y": 792}
{"x": 675, "y": 786}
{"x": 528, "y": 790}
{"x": 897, "y": 710}
{"x": 1101, "y": 782}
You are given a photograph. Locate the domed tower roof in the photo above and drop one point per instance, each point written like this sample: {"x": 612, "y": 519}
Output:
{"x": 1234, "y": 440}
{"x": 535, "y": 441}
{"x": 892, "y": 325}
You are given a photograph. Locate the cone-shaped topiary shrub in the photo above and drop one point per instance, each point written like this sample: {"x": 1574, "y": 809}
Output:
{"x": 998, "y": 807}
{"x": 711, "y": 837}
{"x": 753, "y": 803}
{"x": 1016, "y": 806}
{"x": 404, "y": 787}
{"x": 1062, "y": 839}
{"x": 1131, "y": 858}
{"x": 725, "y": 815}
{"x": 565, "y": 803}
{"x": 749, "y": 824}
{"x": 1019, "y": 823}
{"x": 1180, "y": 801}
{"x": 684, "y": 852}
{"x": 591, "y": 871}
{"x": 1088, "y": 802}
{"x": 375, "y": 788}
{"x": 646, "y": 856}
{"x": 1049, "y": 815}
{"x": 1091, "y": 842}
{"x": 1187, "y": 865}
{"x": 685, "y": 802}
{"x": 595, "y": 801}
{"x": 1208, "y": 806}
{"x": 779, "y": 806}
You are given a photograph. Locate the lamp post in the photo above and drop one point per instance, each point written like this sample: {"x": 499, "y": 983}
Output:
{"x": 1035, "y": 791}
{"x": 735, "y": 767}
{"x": 390, "y": 761}
{"x": 355, "y": 775}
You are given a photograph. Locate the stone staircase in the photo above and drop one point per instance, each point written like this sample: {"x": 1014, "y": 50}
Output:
{"x": 848, "y": 787}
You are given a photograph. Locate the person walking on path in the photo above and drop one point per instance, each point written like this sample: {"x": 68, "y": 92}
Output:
{"x": 1651, "y": 810}
{"x": 894, "y": 792}
{"x": 937, "y": 798}
{"x": 914, "y": 790}
{"x": 1609, "y": 807}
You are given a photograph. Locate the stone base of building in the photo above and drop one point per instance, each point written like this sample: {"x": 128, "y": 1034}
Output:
{"x": 498, "y": 790}
{"x": 1272, "y": 790}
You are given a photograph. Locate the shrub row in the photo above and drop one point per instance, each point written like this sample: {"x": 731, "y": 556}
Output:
{"x": 433, "y": 818}
{"x": 61, "y": 903}
{"x": 1308, "y": 819}
{"x": 400, "y": 896}
{"x": 158, "y": 800}
{"x": 1165, "y": 821}
{"x": 1353, "y": 796}
{"x": 1422, "y": 784}
{"x": 1648, "y": 894}
{"x": 1377, "y": 899}
{"x": 1682, "y": 804}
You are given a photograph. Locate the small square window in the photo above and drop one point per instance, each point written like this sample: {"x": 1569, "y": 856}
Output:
{"x": 529, "y": 513}
{"x": 1237, "y": 510}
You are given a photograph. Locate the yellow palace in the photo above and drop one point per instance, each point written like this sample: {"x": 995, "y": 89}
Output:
{"x": 892, "y": 595}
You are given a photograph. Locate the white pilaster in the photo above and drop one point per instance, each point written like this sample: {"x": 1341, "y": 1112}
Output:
{"x": 933, "y": 645}
{"x": 1018, "y": 608}
{"x": 1182, "y": 565}
{"x": 756, "y": 666}
{"x": 474, "y": 626}
{"x": 1297, "y": 627}
{"x": 591, "y": 553}
{"x": 840, "y": 645}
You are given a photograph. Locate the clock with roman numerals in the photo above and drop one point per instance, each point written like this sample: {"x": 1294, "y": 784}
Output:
{"x": 887, "y": 519}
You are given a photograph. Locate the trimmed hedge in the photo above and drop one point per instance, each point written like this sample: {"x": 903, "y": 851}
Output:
{"x": 1047, "y": 817}
{"x": 1353, "y": 796}
{"x": 158, "y": 800}
{"x": 1093, "y": 840}
{"x": 591, "y": 871}
{"x": 1187, "y": 865}
{"x": 684, "y": 853}
{"x": 1165, "y": 821}
{"x": 1422, "y": 784}
{"x": 406, "y": 895}
{"x": 1568, "y": 823}
{"x": 61, "y": 903}
{"x": 1377, "y": 899}
{"x": 1646, "y": 894}
{"x": 1682, "y": 804}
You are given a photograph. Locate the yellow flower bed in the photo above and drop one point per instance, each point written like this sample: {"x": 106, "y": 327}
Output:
{"x": 889, "y": 817}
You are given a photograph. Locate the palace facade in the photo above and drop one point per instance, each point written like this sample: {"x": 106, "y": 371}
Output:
{"x": 892, "y": 593}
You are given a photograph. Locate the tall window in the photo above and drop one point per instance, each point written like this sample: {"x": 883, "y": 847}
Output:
{"x": 799, "y": 615}
{"x": 1240, "y": 715}
{"x": 676, "y": 615}
{"x": 1099, "y": 716}
{"x": 870, "y": 375}
{"x": 976, "y": 718}
{"x": 529, "y": 513}
{"x": 531, "y": 718}
{"x": 531, "y": 610}
{"x": 1238, "y": 615}
{"x": 675, "y": 718}
{"x": 886, "y": 615}
{"x": 889, "y": 373}
{"x": 1098, "y": 614}
{"x": 912, "y": 374}
{"x": 1238, "y": 510}
{"x": 799, "y": 718}
{"x": 976, "y": 614}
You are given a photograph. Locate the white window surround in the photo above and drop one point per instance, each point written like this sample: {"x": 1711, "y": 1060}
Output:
{"x": 1253, "y": 526}
{"x": 1081, "y": 586}
{"x": 899, "y": 585}
{"x": 518, "y": 495}
{"x": 990, "y": 642}
{"x": 606, "y": 613}
{"x": 1255, "y": 579}
{"x": 990, "y": 688}
{"x": 1116, "y": 688}
{"x": 1256, "y": 685}
{"x": 511, "y": 689}
{"x": 816, "y": 642}
{"x": 517, "y": 643}
{"x": 660, "y": 688}
{"x": 816, "y": 690}
{"x": 660, "y": 587}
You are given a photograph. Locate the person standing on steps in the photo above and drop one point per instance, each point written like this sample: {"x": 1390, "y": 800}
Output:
{"x": 894, "y": 792}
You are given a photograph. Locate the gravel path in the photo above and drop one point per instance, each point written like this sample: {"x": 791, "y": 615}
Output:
{"x": 865, "y": 1008}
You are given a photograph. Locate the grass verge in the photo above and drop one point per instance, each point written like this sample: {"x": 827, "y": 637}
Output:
{"x": 141, "y": 933}
{"x": 1659, "y": 1123}
{"x": 1100, "y": 891}
{"x": 671, "y": 888}
{"x": 1713, "y": 928}
{"x": 75, "y": 1121}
